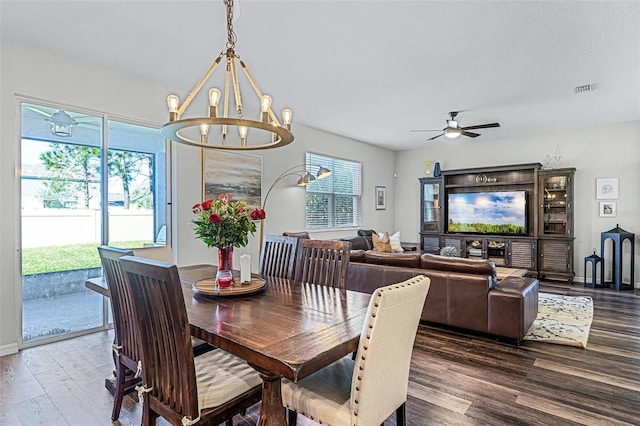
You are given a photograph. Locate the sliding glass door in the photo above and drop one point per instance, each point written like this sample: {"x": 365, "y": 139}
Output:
{"x": 86, "y": 180}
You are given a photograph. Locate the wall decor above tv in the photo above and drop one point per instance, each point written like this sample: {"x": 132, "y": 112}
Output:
{"x": 495, "y": 212}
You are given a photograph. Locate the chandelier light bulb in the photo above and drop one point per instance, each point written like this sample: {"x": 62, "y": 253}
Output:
{"x": 286, "y": 118}
{"x": 265, "y": 102}
{"x": 204, "y": 129}
{"x": 214, "y": 96}
{"x": 173, "y": 101}
{"x": 265, "y": 106}
{"x": 243, "y": 135}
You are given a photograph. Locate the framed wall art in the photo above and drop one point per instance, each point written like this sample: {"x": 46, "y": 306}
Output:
{"x": 381, "y": 197}
{"x": 238, "y": 174}
{"x": 607, "y": 188}
{"x": 607, "y": 209}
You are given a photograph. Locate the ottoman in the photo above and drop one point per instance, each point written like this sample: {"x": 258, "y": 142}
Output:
{"x": 513, "y": 305}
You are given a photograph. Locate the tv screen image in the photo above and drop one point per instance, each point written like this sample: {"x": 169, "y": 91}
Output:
{"x": 496, "y": 212}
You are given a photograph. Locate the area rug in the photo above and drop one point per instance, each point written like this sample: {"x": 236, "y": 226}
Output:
{"x": 563, "y": 320}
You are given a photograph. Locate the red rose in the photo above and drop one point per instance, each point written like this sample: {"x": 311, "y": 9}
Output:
{"x": 206, "y": 205}
{"x": 215, "y": 219}
{"x": 196, "y": 208}
{"x": 225, "y": 198}
{"x": 240, "y": 209}
{"x": 258, "y": 214}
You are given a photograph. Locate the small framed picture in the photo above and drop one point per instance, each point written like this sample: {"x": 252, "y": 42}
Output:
{"x": 381, "y": 197}
{"x": 607, "y": 209}
{"x": 607, "y": 188}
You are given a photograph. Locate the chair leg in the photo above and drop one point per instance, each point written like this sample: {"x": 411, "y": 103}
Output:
{"x": 401, "y": 415}
{"x": 293, "y": 417}
{"x": 118, "y": 392}
{"x": 229, "y": 422}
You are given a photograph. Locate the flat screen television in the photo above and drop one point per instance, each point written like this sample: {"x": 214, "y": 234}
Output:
{"x": 498, "y": 212}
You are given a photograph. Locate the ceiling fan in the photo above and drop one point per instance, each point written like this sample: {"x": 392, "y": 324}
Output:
{"x": 452, "y": 130}
{"x": 61, "y": 122}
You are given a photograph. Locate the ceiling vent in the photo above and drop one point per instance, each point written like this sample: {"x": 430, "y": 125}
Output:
{"x": 585, "y": 88}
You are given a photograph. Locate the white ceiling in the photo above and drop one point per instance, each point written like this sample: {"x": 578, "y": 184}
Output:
{"x": 373, "y": 70}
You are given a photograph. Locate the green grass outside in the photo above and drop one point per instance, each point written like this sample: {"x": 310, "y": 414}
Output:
{"x": 38, "y": 260}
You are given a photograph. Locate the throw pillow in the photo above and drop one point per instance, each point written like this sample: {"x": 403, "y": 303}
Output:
{"x": 381, "y": 244}
{"x": 394, "y": 240}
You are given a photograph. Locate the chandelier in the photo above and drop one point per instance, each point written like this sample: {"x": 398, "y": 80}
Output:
{"x": 197, "y": 131}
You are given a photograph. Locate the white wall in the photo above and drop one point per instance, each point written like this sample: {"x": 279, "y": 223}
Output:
{"x": 37, "y": 73}
{"x": 285, "y": 205}
{"x": 605, "y": 151}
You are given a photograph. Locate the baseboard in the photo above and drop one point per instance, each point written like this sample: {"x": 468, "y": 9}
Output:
{"x": 10, "y": 349}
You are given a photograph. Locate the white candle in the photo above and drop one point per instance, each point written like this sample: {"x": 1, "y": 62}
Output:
{"x": 245, "y": 268}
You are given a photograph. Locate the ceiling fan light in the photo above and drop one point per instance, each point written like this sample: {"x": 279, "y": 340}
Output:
{"x": 452, "y": 133}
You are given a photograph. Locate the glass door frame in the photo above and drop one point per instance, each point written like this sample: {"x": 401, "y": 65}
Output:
{"x": 104, "y": 212}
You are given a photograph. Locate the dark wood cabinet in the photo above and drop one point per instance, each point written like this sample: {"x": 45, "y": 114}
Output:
{"x": 545, "y": 245}
{"x": 555, "y": 223}
{"x": 431, "y": 214}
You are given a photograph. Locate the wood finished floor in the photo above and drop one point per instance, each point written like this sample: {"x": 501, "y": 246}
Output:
{"x": 455, "y": 379}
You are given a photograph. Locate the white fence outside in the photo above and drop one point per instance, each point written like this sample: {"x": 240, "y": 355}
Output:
{"x": 57, "y": 227}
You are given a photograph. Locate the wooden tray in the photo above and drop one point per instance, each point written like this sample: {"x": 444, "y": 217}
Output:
{"x": 208, "y": 287}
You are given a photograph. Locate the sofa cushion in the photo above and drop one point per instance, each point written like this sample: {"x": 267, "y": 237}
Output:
{"x": 358, "y": 243}
{"x": 381, "y": 244}
{"x": 366, "y": 232}
{"x": 407, "y": 260}
{"x": 394, "y": 240}
{"x": 301, "y": 234}
{"x": 356, "y": 256}
{"x": 457, "y": 264}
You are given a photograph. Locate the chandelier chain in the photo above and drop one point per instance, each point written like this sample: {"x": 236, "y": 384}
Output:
{"x": 231, "y": 35}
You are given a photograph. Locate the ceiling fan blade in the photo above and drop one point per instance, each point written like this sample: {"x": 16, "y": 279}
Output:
{"x": 426, "y": 130}
{"x": 430, "y": 139}
{"x": 481, "y": 126}
{"x": 38, "y": 111}
{"x": 470, "y": 134}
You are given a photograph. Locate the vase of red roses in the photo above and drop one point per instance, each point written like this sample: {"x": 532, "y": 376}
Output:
{"x": 224, "y": 224}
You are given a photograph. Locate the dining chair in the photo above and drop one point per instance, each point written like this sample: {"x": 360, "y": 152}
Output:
{"x": 125, "y": 342}
{"x": 367, "y": 390}
{"x": 322, "y": 262}
{"x": 278, "y": 256}
{"x": 206, "y": 390}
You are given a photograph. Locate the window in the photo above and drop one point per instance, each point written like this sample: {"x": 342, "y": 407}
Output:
{"x": 334, "y": 201}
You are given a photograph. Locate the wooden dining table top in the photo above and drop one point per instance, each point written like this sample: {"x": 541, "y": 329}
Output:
{"x": 291, "y": 329}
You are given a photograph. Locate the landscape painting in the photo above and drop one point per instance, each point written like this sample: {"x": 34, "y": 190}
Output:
{"x": 238, "y": 174}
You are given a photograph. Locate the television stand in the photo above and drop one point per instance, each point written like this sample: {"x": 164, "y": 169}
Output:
{"x": 508, "y": 251}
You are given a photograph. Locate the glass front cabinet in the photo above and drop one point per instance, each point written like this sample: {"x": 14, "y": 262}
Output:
{"x": 556, "y": 210}
{"x": 431, "y": 193}
{"x": 555, "y": 223}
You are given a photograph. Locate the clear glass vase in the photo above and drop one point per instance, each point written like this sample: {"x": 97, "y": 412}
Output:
{"x": 224, "y": 276}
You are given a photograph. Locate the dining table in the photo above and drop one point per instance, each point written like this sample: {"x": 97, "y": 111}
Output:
{"x": 286, "y": 329}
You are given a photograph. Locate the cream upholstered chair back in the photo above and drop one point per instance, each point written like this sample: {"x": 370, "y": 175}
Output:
{"x": 159, "y": 253}
{"x": 381, "y": 371}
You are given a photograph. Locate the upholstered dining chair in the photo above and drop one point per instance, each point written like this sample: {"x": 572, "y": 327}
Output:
{"x": 278, "y": 256}
{"x": 322, "y": 262}
{"x": 367, "y": 390}
{"x": 206, "y": 390}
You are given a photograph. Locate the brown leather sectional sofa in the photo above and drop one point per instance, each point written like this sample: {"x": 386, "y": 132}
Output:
{"x": 464, "y": 293}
